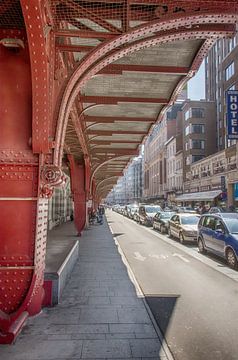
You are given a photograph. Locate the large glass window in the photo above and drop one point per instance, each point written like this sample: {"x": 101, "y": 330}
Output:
{"x": 198, "y": 128}
{"x": 198, "y": 144}
{"x": 229, "y": 72}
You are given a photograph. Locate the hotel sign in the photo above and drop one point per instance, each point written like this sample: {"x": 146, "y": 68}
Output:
{"x": 232, "y": 114}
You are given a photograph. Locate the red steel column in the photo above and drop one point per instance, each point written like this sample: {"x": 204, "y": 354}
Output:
{"x": 23, "y": 232}
{"x": 77, "y": 173}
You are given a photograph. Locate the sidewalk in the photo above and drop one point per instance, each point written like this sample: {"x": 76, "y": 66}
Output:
{"x": 100, "y": 315}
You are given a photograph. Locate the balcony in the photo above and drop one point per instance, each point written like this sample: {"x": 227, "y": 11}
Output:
{"x": 219, "y": 170}
{"x": 231, "y": 166}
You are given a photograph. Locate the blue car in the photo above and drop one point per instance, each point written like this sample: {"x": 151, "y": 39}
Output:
{"x": 218, "y": 233}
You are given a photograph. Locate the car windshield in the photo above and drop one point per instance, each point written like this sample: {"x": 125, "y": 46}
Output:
{"x": 189, "y": 220}
{"x": 153, "y": 209}
{"x": 166, "y": 215}
{"x": 232, "y": 225}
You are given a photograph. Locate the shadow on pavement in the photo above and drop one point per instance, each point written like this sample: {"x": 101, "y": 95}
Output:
{"x": 162, "y": 308}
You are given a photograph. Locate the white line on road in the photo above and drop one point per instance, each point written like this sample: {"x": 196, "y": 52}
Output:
{"x": 156, "y": 256}
{"x": 181, "y": 257}
{"x": 138, "y": 256}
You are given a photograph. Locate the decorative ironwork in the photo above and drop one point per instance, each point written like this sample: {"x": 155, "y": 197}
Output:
{"x": 51, "y": 176}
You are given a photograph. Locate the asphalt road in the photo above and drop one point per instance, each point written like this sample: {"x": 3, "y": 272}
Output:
{"x": 193, "y": 302}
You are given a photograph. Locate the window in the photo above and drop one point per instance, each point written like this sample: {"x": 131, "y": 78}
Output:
{"x": 195, "y": 113}
{"x": 187, "y": 114}
{"x": 198, "y": 144}
{"x": 197, "y": 158}
{"x": 187, "y": 130}
{"x": 198, "y": 113}
{"x": 229, "y": 72}
{"x": 209, "y": 222}
{"x": 198, "y": 129}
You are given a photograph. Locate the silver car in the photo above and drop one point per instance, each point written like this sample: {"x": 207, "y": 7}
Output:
{"x": 184, "y": 226}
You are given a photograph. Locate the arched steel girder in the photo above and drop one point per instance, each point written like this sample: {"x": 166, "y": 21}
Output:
{"x": 102, "y": 164}
{"x": 170, "y": 30}
{"x": 104, "y": 190}
{"x": 104, "y": 180}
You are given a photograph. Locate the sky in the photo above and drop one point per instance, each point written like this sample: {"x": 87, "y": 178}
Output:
{"x": 196, "y": 86}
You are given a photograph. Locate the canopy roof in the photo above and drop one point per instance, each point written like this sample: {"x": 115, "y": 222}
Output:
{"x": 199, "y": 196}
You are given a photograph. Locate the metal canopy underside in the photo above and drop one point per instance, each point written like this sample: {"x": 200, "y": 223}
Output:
{"x": 118, "y": 64}
{"x": 120, "y": 96}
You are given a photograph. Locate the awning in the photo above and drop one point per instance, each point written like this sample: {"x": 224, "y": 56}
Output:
{"x": 199, "y": 196}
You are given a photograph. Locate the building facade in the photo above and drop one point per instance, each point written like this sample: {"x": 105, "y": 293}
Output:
{"x": 155, "y": 157}
{"x": 221, "y": 74}
{"x": 129, "y": 187}
{"x": 199, "y": 127}
{"x": 216, "y": 172}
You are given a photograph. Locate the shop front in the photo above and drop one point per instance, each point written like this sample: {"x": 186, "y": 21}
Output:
{"x": 211, "y": 198}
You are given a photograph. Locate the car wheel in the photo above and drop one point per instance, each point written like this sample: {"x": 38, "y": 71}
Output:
{"x": 201, "y": 247}
{"x": 169, "y": 233}
{"x": 181, "y": 238}
{"x": 231, "y": 259}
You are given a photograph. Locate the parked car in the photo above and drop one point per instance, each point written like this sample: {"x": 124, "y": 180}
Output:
{"x": 186, "y": 209}
{"x": 161, "y": 221}
{"x": 184, "y": 226}
{"x": 218, "y": 233}
{"x": 217, "y": 209}
{"x": 147, "y": 213}
{"x": 132, "y": 210}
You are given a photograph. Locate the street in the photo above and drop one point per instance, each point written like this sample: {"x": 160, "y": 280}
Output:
{"x": 193, "y": 297}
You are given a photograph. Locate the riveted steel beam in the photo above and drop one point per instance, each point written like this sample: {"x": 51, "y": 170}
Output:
{"x": 111, "y": 132}
{"x": 129, "y": 152}
{"x": 119, "y": 68}
{"x": 84, "y": 34}
{"x": 110, "y": 142}
{"x": 117, "y": 99}
{"x": 112, "y": 119}
{"x": 74, "y": 48}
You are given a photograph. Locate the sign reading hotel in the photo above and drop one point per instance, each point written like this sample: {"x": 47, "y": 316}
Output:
{"x": 232, "y": 114}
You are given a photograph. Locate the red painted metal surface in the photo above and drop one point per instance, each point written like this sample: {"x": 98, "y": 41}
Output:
{"x": 40, "y": 81}
{"x": 22, "y": 225}
{"x": 77, "y": 176}
{"x": 167, "y": 31}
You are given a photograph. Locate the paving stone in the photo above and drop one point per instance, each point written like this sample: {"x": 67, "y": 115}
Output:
{"x": 125, "y": 300}
{"x": 146, "y": 329}
{"x": 133, "y": 315}
{"x": 40, "y": 350}
{"x": 78, "y": 329}
{"x": 109, "y": 349}
{"x": 146, "y": 348}
{"x": 98, "y": 316}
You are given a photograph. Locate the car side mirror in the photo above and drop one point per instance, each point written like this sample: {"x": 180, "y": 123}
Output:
{"x": 220, "y": 231}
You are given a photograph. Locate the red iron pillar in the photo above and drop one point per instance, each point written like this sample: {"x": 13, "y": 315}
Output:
{"x": 27, "y": 175}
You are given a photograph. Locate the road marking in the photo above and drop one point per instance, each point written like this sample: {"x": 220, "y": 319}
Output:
{"x": 181, "y": 257}
{"x": 139, "y": 257}
{"x": 164, "y": 257}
